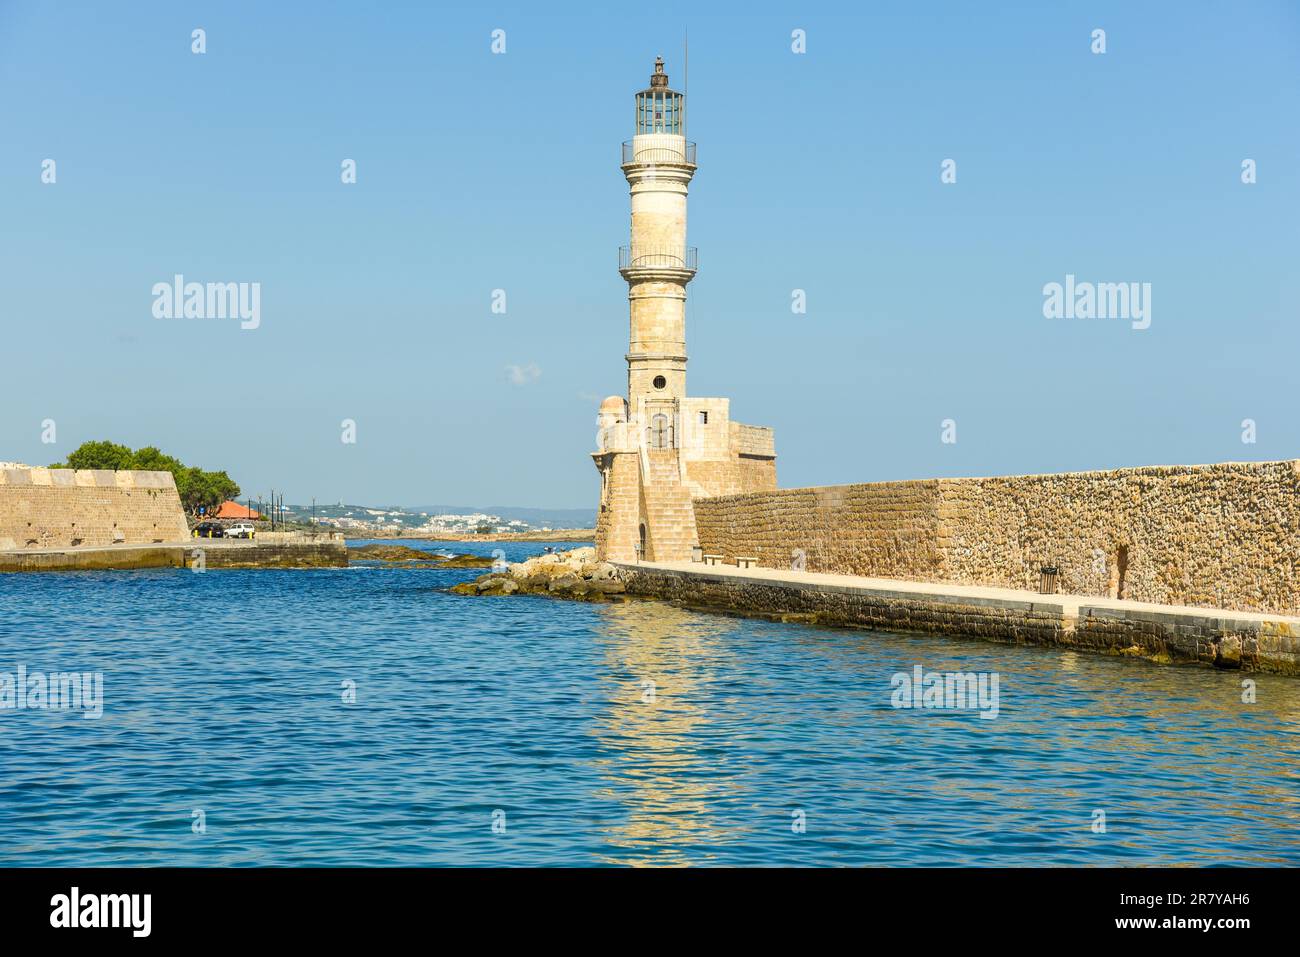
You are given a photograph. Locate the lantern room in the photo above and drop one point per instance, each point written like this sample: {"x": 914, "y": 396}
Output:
{"x": 659, "y": 109}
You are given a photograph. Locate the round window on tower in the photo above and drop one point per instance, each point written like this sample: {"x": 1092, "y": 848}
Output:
{"x": 660, "y": 382}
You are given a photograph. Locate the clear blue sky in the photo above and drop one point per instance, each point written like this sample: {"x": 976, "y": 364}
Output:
{"x": 478, "y": 171}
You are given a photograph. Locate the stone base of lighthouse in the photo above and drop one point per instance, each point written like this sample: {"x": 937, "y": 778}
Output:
{"x": 657, "y": 460}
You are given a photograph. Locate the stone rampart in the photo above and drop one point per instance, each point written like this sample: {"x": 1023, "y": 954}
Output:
{"x": 1221, "y": 536}
{"x": 69, "y": 508}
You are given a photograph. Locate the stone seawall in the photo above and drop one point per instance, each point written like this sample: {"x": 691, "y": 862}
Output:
{"x": 1221, "y": 536}
{"x": 1162, "y": 634}
{"x": 323, "y": 553}
{"x": 216, "y": 554}
{"x": 71, "y": 508}
{"x": 846, "y": 529}
{"x": 117, "y": 558}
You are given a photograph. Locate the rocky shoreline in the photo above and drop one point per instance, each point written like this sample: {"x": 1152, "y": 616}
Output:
{"x": 404, "y": 554}
{"x": 574, "y": 574}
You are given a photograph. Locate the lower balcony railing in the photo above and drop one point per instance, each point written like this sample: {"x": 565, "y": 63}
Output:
{"x": 637, "y": 257}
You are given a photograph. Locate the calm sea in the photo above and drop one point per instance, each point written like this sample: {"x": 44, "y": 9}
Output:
{"x": 527, "y": 731}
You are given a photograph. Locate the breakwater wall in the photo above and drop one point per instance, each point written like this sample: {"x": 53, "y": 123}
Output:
{"x": 1174, "y": 635}
{"x": 204, "y": 553}
{"x": 1216, "y": 536}
{"x": 72, "y": 508}
{"x": 306, "y": 553}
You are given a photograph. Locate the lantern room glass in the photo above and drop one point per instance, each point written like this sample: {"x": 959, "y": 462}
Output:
{"x": 659, "y": 111}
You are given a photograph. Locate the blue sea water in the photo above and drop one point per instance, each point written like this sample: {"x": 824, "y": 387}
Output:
{"x": 224, "y": 693}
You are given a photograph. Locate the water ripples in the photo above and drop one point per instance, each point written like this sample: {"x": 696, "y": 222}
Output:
{"x": 224, "y": 692}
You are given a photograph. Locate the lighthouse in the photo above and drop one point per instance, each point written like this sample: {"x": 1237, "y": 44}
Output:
{"x": 657, "y": 263}
{"x": 658, "y": 450}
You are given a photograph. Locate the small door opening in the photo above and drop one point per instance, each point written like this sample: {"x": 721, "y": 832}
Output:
{"x": 661, "y": 432}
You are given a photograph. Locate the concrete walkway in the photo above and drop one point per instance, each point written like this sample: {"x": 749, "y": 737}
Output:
{"x": 1252, "y": 641}
{"x": 967, "y": 594}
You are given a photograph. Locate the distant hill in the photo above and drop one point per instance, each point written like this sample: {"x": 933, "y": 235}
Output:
{"x": 466, "y": 518}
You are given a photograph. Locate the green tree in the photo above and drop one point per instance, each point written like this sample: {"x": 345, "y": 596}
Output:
{"x": 191, "y": 488}
{"x": 152, "y": 460}
{"x": 99, "y": 455}
{"x": 198, "y": 488}
{"x": 220, "y": 488}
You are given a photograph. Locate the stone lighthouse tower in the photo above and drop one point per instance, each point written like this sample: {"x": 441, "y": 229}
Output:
{"x": 657, "y": 265}
{"x": 659, "y": 450}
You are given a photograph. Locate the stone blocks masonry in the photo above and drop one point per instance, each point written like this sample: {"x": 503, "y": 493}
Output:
{"x": 1219, "y": 536}
{"x": 69, "y": 508}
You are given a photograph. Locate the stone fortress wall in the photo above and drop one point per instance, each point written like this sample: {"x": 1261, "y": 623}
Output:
{"x": 68, "y": 508}
{"x": 1223, "y": 536}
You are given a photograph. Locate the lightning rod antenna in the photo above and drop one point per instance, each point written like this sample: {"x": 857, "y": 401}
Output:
{"x": 686, "y": 77}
